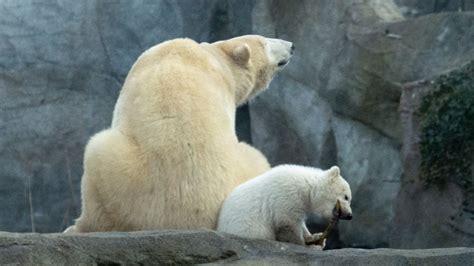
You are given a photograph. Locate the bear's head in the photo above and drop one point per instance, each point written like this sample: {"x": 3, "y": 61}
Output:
{"x": 332, "y": 197}
{"x": 254, "y": 60}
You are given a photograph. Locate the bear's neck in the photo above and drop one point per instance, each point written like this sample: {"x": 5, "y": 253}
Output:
{"x": 243, "y": 90}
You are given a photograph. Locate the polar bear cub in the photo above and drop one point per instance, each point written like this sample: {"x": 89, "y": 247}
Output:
{"x": 275, "y": 204}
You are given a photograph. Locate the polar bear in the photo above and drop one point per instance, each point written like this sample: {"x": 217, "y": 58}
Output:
{"x": 172, "y": 155}
{"x": 274, "y": 205}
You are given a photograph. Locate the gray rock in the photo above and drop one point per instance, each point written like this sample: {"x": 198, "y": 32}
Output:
{"x": 286, "y": 136}
{"x": 197, "y": 247}
{"x": 371, "y": 164}
{"x": 61, "y": 67}
{"x": 427, "y": 216}
{"x": 414, "y": 8}
{"x": 337, "y": 102}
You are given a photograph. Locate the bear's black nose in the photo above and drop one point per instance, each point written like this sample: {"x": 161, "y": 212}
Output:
{"x": 292, "y": 48}
{"x": 348, "y": 217}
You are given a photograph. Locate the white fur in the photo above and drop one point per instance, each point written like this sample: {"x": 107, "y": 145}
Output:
{"x": 172, "y": 156}
{"x": 281, "y": 198}
{"x": 277, "y": 50}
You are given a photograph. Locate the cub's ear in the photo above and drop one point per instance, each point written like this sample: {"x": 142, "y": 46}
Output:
{"x": 241, "y": 54}
{"x": 334, "y": 171}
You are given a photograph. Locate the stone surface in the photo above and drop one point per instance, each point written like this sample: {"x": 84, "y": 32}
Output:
{"x": 414, "y": 8}
{"x": 371, "y": 163}
{"x": 427, "y": 216}
{"x": 337, "y": 102}
{"x": 61, "y": 67}
{"x": 198, "y": 247}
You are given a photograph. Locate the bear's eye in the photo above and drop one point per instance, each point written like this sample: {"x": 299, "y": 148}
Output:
{"x": 346, "y": 197}
{"x": 282, "y": 63}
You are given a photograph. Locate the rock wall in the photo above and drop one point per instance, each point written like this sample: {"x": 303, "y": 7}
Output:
{"x": 450, "y": 202}
{"x": 338, "y": 100}
{"x": 415, "y": 8}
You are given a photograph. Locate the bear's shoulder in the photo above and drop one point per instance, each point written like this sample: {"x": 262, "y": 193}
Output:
{"x": 170, "y": 47}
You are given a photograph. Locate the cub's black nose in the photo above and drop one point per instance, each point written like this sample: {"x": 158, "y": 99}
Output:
{"x": 348, "y": 217}
{"x": 292, "y": 48}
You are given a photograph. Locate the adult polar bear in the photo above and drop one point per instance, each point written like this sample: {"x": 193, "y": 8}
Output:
{"x": 172, "y": 156}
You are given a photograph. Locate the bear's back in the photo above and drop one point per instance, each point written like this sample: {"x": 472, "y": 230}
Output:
{"x": 175, "y": 52}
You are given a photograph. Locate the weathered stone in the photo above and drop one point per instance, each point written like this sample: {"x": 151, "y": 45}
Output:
{"x": 370, "y": 162}
{"x": 337, "y": 102}
{"x": 286, "y": 136}
{"x": 197, "y": 247}
{"x": 427, "y": 215}
{"x": 414, "y": 8}
{"x": 339, "y": 68}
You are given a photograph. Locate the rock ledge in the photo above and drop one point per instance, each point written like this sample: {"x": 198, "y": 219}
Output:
{"x": 201, "y": 246}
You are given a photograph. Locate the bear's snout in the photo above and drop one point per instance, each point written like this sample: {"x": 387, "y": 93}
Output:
{"x": 346, "y": 217}
{"x": 279, "y": 51}
{"x": 342, "y": 211}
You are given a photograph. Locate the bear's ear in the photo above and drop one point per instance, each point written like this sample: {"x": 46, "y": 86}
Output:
{"x": 334, "y": 171}
{"x": 241, "y": 54}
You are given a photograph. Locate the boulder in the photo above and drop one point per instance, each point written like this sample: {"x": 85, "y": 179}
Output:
{"x": 199, "y": 247}
{"x": 435, "y": 212}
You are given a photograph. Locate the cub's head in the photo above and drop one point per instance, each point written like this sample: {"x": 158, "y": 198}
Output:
{"x": 332, "y": 190}
{"x": 253, "y": 61}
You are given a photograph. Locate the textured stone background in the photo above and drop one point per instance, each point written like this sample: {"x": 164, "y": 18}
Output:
{"x": 338, "y": 103}
{"x": 63, "y": 62}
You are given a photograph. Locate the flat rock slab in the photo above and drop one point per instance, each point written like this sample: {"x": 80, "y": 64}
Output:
{"x": 201, "y": 246}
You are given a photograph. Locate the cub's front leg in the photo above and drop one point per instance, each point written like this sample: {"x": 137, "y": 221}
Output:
{"x": 290, "y": 233}
{"x": 311, "y": 239}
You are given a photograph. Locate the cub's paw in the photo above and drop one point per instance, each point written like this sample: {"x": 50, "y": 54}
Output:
{"x": 317, "y": 247}
{"x": 312, "y": 239}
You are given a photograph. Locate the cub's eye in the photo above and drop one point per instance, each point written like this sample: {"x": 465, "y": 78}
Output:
{"x": 346, "y": 197}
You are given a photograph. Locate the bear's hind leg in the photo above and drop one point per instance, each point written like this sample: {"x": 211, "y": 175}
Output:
{"x": 114, "y": 174}
{"x": 252, "y": 163}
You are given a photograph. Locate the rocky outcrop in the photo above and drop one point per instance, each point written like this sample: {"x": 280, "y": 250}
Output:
{"x": 338, "y": 100}
{"x": 198, "y": 247}
{"x": 431, "y": 213}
